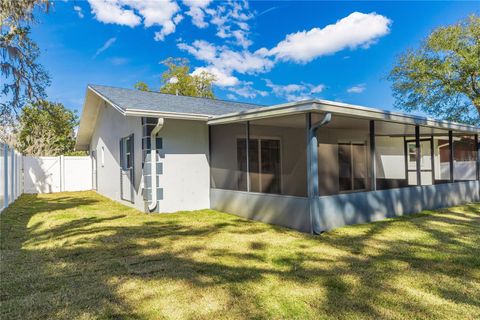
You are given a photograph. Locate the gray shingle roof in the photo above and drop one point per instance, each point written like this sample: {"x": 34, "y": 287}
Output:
{"x": 155, "y": 101}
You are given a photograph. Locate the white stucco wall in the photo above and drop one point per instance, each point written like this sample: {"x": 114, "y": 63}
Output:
{"x": 185, "y": 177}
{"x": 111, "y": 126}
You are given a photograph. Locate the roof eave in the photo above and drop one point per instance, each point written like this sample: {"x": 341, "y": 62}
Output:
{"x": 262, "y": 113}
{"x": 167, "y": 115}
{"x": 340, "y": 109}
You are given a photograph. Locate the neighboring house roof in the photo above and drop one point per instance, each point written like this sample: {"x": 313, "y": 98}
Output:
{"x": 136, "y": 101}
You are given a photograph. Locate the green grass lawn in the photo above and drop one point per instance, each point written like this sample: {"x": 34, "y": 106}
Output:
{"x": 81, "y": 256}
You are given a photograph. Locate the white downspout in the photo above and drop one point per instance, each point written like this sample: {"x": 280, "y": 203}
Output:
{"x": 153, "y": 161}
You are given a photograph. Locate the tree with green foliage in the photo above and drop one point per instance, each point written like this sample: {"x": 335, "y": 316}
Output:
{"x": 177, "y": 79}
{"x": 24, "y": 79}
{"x": 142, "y": 86}
{"x": 442, "y": 77}
{"x": 46, "y": 129}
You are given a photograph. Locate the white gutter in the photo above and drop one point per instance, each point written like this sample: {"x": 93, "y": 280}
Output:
{"x": 153, "y": 161}
{"x": 166, "y": 114}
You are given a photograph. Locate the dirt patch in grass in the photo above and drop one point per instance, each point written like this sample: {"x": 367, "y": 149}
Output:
{"x": 79, "y": 255}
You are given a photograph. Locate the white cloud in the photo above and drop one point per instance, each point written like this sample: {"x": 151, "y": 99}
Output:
{"x": 155, "y": 12}
{"x": 356, "y": 30}
{"x": 359, "y": 88}
{"x": 177, "y": 19}
{"x": 168, "y": 28}
{"x": 201, "y": 50}
{"x": 246, "y": 90}
{"x": 221, "y": 79}
{"x": 111, "y": 11}
{"x": 105, "y": 46}
{"x": 230, "y": 19}
{"x": 222, "y": 62}
{"x": 227, "y": 60}
{"x": 317, "y": 89}
{"x": 79, "y": 11}
{"x": 197, "y": 12}
{"x": 133, "y": 13}
{"x": 231, "y": 96}
{"x": 243, "y": 62}
{"x": 295, "y": 92}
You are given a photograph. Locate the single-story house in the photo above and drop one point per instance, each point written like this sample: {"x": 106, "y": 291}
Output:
{"x": 309, "y": 165}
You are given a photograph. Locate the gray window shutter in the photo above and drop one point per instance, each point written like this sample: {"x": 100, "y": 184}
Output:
{"x": 121, "y": 154}
{"x": 132, "y": 155}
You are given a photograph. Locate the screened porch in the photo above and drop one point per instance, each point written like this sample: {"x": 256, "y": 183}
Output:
{"x": 354, "y": 155}
{"x": 278, "y": 163}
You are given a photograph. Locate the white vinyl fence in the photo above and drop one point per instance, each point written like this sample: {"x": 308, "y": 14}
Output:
{"x": 21, "y": 174}
{"x": 11, "y": 177}
{"x": 57, "y": 174}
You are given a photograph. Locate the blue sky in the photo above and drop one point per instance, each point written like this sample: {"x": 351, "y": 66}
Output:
{"x": 264, "y": 52}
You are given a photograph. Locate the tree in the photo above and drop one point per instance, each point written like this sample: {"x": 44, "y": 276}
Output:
{"x": 442, "y": 77}
{"x": 177, "y": 79}
{"x": 46, "y": 129}
{"x": 23, "y": 78}
{"x": 142, "y": 86}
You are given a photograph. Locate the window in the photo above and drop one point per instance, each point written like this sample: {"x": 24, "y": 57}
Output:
{"x": 352, "y": 166}
{"x": 126, "y": 159}
{"x": 264, "y": 164}
{"x": 464, "y": 149}
{"x": 412, "y": 154}
{"x": 103, "y": 156}
{"x": 127, "y": 191}
{"x": 465, "y": 158}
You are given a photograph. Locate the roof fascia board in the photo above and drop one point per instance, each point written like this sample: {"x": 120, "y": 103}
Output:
{"x": 262, "y": 113}
{"x": 375, "y": 114}
{"x": 83, "y": 118}
{"x": 167, "y": 115}
{"x": 340, "y": 109}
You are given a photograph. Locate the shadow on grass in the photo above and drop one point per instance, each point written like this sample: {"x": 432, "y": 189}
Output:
{"x": 80, "y": 267}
